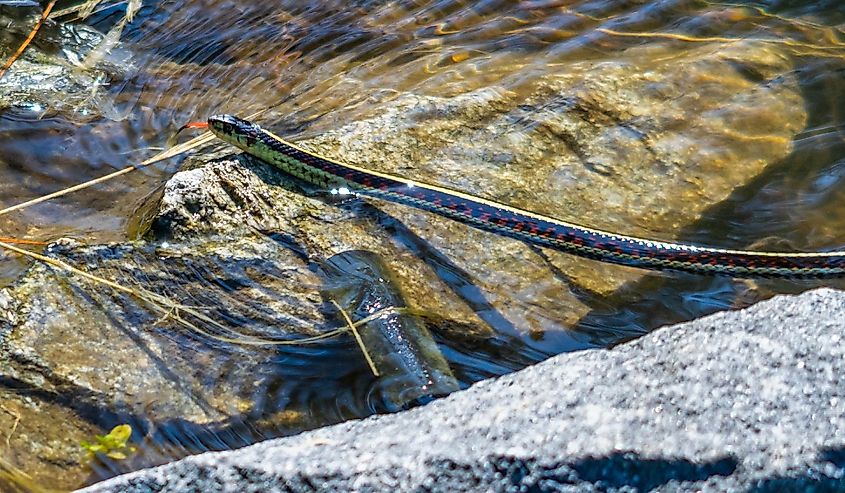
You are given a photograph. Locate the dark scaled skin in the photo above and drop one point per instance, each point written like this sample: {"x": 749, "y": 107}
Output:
{"x": 523, "y": 225}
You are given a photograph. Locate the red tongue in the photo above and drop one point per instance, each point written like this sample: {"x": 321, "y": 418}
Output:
{"x": 172, "y": 140}
{"x": 195, "y": 125}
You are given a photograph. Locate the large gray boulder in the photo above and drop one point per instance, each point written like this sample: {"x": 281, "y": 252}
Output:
{"x": 750, "y": 400}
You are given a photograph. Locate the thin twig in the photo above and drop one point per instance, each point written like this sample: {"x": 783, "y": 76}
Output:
{"x": 88, "y": 8}
{"x": 76, "y": 8}
{"x": 67, "y": 267}
{"x": 28, "y": 39}
{"x": 202, "y": 139}
{"x": 17, "y": 241}
{"x": 357, "y": 338}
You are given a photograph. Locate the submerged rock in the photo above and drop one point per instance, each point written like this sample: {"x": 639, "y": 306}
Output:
{"x": 640, "y": 146}
{"x": 55, "y": 73}
{"x": 41, "y": 435}
{"x": 112, "y": 358}
{"x": 411, "y": 368}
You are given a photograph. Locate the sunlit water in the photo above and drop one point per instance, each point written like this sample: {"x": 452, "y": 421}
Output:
{"x": 317, "y": 63}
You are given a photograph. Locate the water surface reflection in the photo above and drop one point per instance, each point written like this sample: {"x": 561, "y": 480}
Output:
{"x": 316, "y": 66}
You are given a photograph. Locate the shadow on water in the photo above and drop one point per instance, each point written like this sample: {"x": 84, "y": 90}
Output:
{"x": 794, "y": 205}
{"x": 283, "y": 390}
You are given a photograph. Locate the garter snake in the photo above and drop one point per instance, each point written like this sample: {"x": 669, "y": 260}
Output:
{"x": 521, "y": 224}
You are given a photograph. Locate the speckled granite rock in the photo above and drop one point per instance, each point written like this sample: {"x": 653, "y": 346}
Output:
{"x": 738, "y": 401}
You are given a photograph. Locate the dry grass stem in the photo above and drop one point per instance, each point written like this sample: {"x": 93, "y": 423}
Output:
{"x": 108, "y": 42}
{"x": 87, "y": 8}
{"x": 76, "y": 8}
{"x": 174, "y": 151}
{"x": 112, "y": 38}
{"x": 132, "y": 8}
{"x": 17, "y": 241}
{"x": 169, "y": 309}
{"x": 357, "y": 338}
{"x": 198, "y": 141}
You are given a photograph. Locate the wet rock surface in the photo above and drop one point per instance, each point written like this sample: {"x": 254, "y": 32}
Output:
{"x": 623, "y": 146}
{"x": 639, "y": 147}
{"x": 38, "y": 435}
{"x": 738, "y": 401}
{"x": 93, "y": 358}
{"x": 111, "y": 358}
{"x": 669, "y": 153}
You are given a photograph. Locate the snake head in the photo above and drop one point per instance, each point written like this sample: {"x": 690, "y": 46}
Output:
{"x": 234, "y": 130}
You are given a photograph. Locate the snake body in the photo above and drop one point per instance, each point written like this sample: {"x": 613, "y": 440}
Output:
{"x": 516, "y": 223}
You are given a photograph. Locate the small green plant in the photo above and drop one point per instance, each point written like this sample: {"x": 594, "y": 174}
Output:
{"x": 113, "y": 445}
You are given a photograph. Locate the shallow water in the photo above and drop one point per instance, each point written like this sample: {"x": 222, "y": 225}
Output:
{"x": 316, "y": 65}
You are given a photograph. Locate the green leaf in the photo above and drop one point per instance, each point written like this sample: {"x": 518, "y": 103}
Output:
{"x": 116, "y": 455}
{"x": 121, "y": 433}
{"x": 113, "y": 445}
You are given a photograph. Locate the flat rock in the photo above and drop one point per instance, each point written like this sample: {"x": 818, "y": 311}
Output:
{"x": 634, "y": 146}
{"x": 744, "y": 400}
